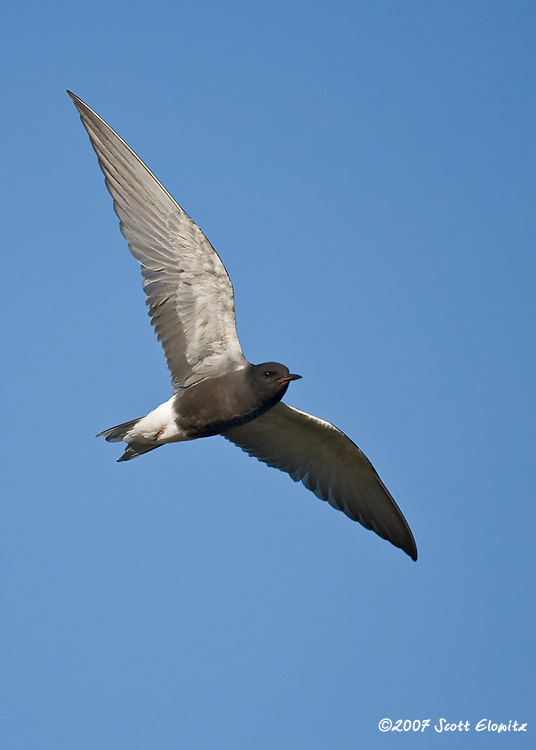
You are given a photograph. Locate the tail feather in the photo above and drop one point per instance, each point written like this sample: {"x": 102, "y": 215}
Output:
{"x": 146, "y": 433}
{"x": 136, "y": 449}
{"x": 117, "y": 433}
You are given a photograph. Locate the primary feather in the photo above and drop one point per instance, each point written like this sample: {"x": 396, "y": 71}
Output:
{"x": 189, "y": 293}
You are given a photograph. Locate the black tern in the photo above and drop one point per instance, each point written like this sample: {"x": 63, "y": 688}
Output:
{"x": 216, "y": 391}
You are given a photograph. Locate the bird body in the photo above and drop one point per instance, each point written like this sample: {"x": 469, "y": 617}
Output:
{"x": 216, "y": 391}
{"x": 217, "y": 404}
{"x": 210, "y": 407}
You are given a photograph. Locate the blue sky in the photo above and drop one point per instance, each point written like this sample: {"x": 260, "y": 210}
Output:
{"x": 366, "y": 172}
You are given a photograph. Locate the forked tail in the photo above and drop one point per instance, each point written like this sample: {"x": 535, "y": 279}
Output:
{"x": 117, "y": 434}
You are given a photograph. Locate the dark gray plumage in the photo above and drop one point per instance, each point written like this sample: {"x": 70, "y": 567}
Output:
{"x": 215, "y": 389}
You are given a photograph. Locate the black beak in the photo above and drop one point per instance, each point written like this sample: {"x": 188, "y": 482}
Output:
{"x": 287, "y": 379}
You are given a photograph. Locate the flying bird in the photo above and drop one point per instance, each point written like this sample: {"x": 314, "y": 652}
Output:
{"x": 216, "y": 391}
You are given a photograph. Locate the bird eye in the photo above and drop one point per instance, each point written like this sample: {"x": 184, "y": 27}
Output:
{"x": 268, "y": 374}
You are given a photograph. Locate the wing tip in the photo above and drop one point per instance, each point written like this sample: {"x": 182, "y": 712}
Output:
{"x": 76, "y": 99}
{"x": 407, "y": 544}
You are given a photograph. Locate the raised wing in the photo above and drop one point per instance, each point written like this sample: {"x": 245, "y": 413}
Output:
{"x": 329, "y": 464}
{"x": 189, "y": 293}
